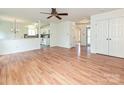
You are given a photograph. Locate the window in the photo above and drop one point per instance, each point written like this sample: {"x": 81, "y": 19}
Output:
{"x": 32, "y": 31}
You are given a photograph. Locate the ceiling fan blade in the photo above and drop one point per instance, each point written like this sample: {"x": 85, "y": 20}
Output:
{"x": 44, "y": 13}
{"x": 59, "y": 17}
{"x": 49, "y": 17}
{"x": 63, "y": 14}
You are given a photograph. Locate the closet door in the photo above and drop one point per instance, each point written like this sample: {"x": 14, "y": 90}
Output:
{"x": 102, "y": 37}
{"x": 116, "y": 37}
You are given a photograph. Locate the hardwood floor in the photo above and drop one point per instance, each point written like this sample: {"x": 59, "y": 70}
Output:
{"x": 60, "y": 66}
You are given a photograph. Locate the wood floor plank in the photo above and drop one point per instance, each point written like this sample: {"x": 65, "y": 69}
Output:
{"x": 58, "y": 65}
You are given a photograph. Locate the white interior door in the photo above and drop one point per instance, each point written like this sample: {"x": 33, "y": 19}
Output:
{"x": 116, "y": 34}
{"x": 102, "y": 37}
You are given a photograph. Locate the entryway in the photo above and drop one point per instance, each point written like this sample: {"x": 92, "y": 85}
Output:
{"x": 88, "y": 36}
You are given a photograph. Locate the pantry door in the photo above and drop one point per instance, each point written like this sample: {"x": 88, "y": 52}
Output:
{"x": 116, "y": 39}
{"x": 102, "y": 37}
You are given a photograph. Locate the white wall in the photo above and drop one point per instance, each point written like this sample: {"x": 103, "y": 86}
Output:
{"x": 108, "y": 15}
{"x": 18, "y": 45}
{"x": 6, "y": 33}
{"x": 53, "y": 34}
{"x": 11, "y": 44}
{"x": 45, "y": 29}
{"x": 61, "y": 34}
{"x": 5, "y": 30}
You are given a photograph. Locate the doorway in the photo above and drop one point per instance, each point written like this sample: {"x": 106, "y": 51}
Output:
{"x": 88, "y": 36}
{"x": 45, "y": 37}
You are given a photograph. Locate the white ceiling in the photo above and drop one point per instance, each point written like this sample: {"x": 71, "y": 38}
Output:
{"x": 33, "y": 14}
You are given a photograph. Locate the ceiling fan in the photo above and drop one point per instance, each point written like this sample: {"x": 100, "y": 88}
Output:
{"x": 55, "y": 14}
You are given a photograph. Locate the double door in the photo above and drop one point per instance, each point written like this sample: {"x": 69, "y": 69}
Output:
{"x": 110, "y": 37}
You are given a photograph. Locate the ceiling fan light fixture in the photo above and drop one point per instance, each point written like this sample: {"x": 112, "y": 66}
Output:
{"x": 55, "y": 13}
